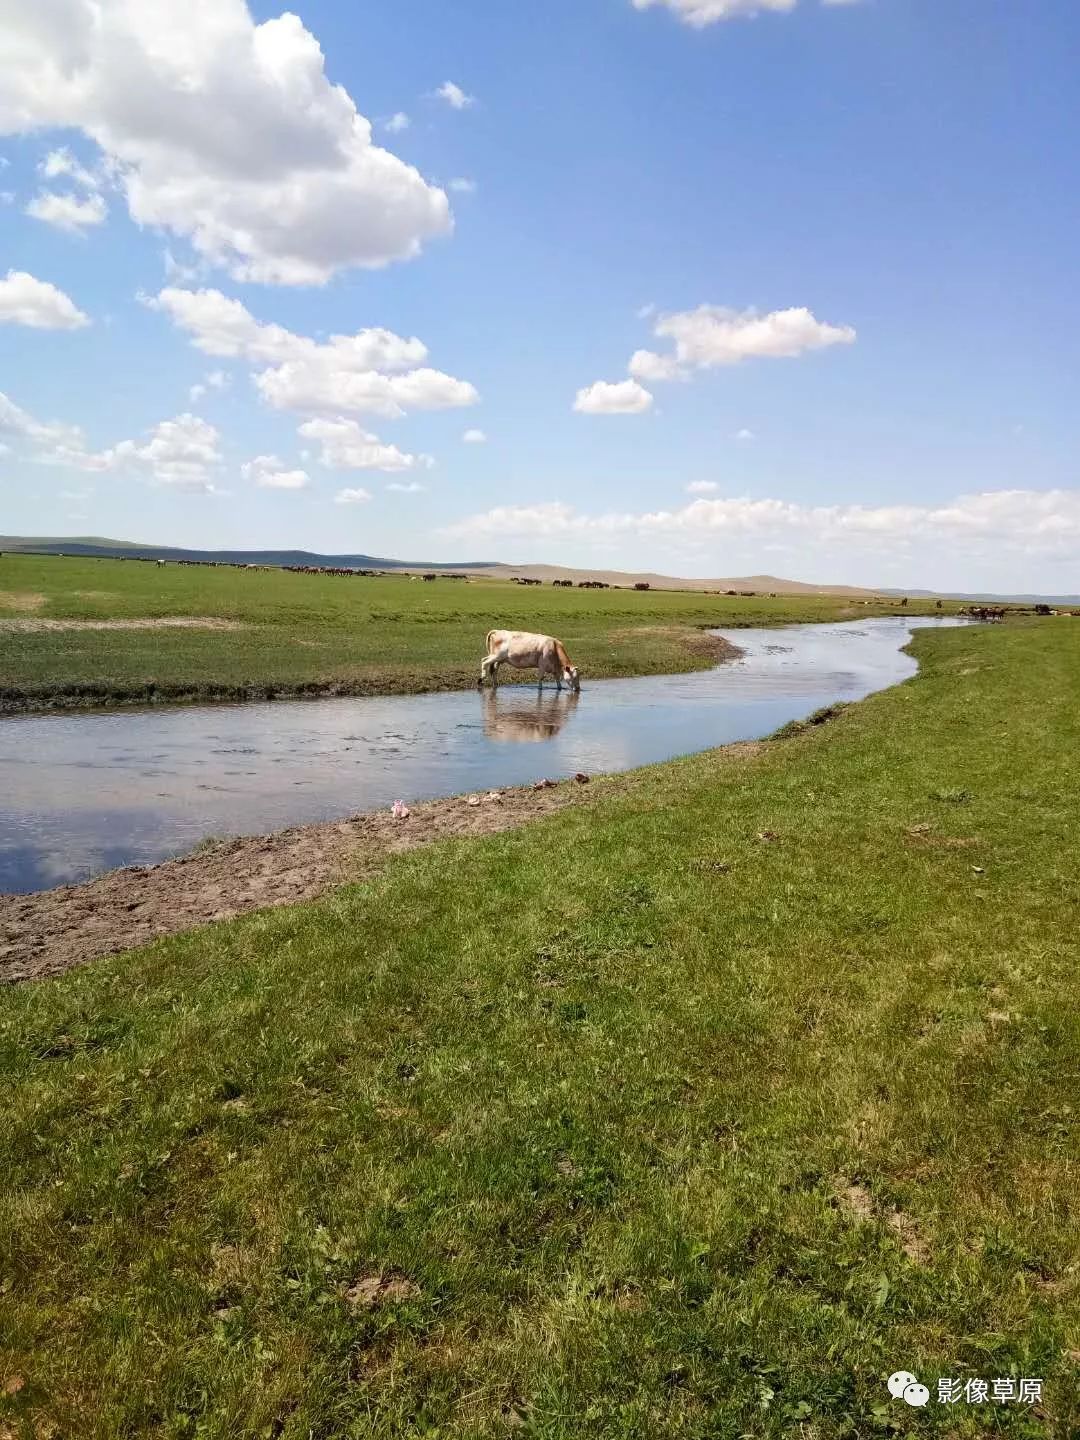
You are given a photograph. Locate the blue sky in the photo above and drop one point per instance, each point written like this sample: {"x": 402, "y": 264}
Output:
{"x": 853, "y": 225}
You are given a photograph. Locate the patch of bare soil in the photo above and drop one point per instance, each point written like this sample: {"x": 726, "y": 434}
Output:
{"x": 371, "y": 1290}
{"x": 923, "y": 834}
{"x": 54, "y": 930}
{"x": 861, "y": 1206}
{"x": 20, "y": 600}
{"x": 165, "y": 622}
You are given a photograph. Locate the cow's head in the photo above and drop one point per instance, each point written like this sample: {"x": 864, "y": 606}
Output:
{"x": 572, "y": 678}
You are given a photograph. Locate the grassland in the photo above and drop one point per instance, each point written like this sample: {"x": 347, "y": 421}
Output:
{"x": 631, "y": 1123}
{"x": 319, "y": 634}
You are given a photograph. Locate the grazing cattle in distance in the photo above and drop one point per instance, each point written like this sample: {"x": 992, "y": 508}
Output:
{"x": 642, "y": 585}
{"x": 523, "y": 650}
{"x": 993, "y": 613}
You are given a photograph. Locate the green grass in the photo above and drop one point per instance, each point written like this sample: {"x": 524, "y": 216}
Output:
{"x": 583, "y": 1095}
{"x": 311, "y": 633}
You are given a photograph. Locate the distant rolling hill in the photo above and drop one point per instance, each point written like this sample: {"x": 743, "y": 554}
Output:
{"x": 759, "y": 584}
{"x": 95, "y": 547}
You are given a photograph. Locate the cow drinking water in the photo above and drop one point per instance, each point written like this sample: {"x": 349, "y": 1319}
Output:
{"x": 523, "y": 651}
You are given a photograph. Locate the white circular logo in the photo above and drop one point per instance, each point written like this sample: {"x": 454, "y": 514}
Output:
{"x": 899, "y": 1382}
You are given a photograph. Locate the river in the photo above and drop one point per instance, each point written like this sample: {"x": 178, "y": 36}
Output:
{"x": 85, "y": 792}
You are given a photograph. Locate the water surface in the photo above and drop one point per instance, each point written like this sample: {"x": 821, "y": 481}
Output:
{"x": 81, "y": 793}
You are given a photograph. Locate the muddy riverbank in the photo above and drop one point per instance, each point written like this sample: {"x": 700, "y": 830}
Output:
{"x": 54, "y": 930}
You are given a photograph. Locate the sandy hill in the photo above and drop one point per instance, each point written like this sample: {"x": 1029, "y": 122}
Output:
{"x": 760, "y": 584}
{"x": 93, "y": 546}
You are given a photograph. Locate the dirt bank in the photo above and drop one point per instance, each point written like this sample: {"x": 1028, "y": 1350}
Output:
{"x": 53, "y": 931}
{"x": 40, "y": 626}
{"x": 47, "y": 933}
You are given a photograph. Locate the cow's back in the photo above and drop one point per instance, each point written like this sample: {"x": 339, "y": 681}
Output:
{"x": 517, "y": 640}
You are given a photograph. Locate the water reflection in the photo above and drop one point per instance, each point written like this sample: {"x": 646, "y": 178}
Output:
{"x": 526, "y": 719}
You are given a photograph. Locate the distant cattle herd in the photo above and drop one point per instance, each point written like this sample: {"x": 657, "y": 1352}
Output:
{"x": 992, "y": 613}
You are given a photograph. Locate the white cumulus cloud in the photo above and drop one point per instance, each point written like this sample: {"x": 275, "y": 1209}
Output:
{"x": 220, "y": 130}
{"x": 702, "y": 487}
{"x": 61, "y": 162}
{"x": 25, "y": 300}
{"x": 369, "y": 372}
{"x": 713, "y": 335}
{"x": 1002, "y": 523}
{"x": 219, "y": 325}
{"x": 345, "y": 446}
{"x": 17, "y": 423}
{"x": 474, "y": 437}
{"x": 461, "y": 186}
{"x": 212, "y": 380}
{"x": 314, "y": 388}
{"x": 397, "y": 123}
{"x": 67, "y": 212}
{"x": 268, "y": 473}
{"x": 646, "y": 365}
{"x": 183, "y": 452}
{"x": 408, "y": 487}
{"x": 455, "y": 96}
{"x": 547, "y": 518}
{"x": 700, "y": 13}
{"x": 624, "y": 397}
{"x": 355, "y": 496}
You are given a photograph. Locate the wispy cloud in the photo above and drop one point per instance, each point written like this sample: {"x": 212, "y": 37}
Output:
{"x": 455, "y": 96}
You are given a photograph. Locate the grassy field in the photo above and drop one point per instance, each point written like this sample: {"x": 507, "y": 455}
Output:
{"x": 632, "y": 1123}
{"x": 323, "y": 633}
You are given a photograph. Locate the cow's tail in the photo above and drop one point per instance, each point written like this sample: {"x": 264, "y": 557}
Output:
{"x": 488, "y": 641}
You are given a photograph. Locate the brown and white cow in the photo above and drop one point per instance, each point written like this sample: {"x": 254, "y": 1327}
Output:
{"x": 524, "y": 651}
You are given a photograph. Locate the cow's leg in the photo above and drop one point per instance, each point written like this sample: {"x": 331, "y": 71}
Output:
{"x": 488, "y": 669}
